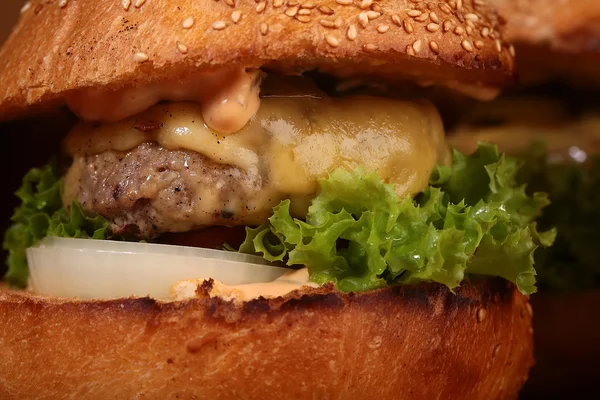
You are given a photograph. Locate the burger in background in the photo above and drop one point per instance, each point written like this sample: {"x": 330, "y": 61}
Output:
{"x": 552, "y": 123}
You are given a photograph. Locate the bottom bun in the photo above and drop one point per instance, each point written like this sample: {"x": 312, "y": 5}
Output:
{"x": 413, "y": 342}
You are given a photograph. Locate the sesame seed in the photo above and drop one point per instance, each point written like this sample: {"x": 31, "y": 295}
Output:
{"x": 25, "y": 7}
{"x": 469, "y": 30}
{"x": 292, "y": 11}
{"x": 459, "y": 5}
{"x": 479, "y": 44}
{"x": 332, "y": 40}
{"x": 140, "y": 57}
{"x": 459, "y": 30}
{"x": 422, "y": 18}
{"x": 377, "y": 7}
{"x": 261, "y": 6}
{"x": 414, "y": 13}
{"x": 373, "y": 15}
{"x": 327, "y": 23}
{"x": 485, "y": 32}
{"x": 447, "y": 25}
{"x": 303, "y": 18}
{"x": 498, "y": 46}
{"x": 434, "y": 18}
{"x": 364, "y": 4}
{"x": 470, "y": 23}
{"x": 277, "y": 3}
{"x": 396, "y": 19}
{"x": 479, "y": 3}
{"x": 338, "y": 22}
{"x": 496, "y": 350}
{"x": 410, "y": 51}
{"x": 417, "y": 46}
{"x": 188, "y": 23}
{"x": 363, "y": 20}
{"x": 370, "y": 48}
{"x": 471, "y": 17}
{"x": 434, "y": 47}
{"x": 431, "y": 27}
{"x": 351, "y": 32}
{"x": 326, "y": 10}
{"x": 219, "y": 25}
{"x": 445, "y": 8}
{"x": 264, "y": 29}
{"x": 309, "y": 5}
{"x": 408, "y": 27}
{"x": 383, "y": 28}
{"x": 62, "y": 3}
{"x": 529, "y": 308}
{"x": 481, "y": 314}
{"x": 344, "y": 2}
{"x": 304, "y": 11}
{"x": 230, "y": 3}
{"x": 291, "y": 3}
{"x": 236, "y": 16}
{"x": 511, "y": 50}
{"x": 139, "y": 3}
{"x": 467, "y": 45}
{"x": 182, "y": 48}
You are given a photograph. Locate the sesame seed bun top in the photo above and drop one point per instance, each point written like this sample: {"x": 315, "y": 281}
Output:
{"x": 62, "y": 45}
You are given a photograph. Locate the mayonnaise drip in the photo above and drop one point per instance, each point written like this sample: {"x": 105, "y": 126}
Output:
{"x": 228, "y": 98}
{"x": 287, "y": 283}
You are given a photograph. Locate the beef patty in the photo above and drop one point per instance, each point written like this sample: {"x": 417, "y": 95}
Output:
{"x": 150, "y": 190}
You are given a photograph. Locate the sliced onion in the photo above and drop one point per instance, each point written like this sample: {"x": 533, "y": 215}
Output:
{"x": 86, "y": 269}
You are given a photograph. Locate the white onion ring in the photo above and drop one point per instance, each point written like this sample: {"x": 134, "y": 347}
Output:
{"x": 102, "y": 269}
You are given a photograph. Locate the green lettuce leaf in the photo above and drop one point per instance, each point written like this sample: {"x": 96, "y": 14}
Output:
{"x": 42, "y": 214}
{"x": 573, "y": 262}
{"x": 473, "y": 219}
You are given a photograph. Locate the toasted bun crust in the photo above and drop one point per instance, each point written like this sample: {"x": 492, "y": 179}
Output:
{"x": 419, "y": 342}
{"x": 89, "y": 43}
{"x": 554, "y": 38}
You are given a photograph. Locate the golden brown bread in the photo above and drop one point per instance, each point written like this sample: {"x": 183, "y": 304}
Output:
{"x": 554, "y": 38}
{"x": 60, "y": 46}
{"x": 414, "y": 342}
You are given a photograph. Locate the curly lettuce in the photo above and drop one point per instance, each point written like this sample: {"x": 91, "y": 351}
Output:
{"x": 573, "y": 262}
{"x": 473, "y": 219}
{"x": 42, "y": 214}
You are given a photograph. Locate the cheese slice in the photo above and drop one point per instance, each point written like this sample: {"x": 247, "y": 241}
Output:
{"x": 291, "y": 141}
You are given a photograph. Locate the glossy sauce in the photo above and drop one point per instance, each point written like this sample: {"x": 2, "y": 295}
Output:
{"x": 228, "y": 98}
{"x": 287, "y": 283}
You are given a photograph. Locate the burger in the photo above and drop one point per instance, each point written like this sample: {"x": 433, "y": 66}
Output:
{"x": 253, "y": 203}
{"x": 551, "y": 121}
{"x": 554, "y": 40}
